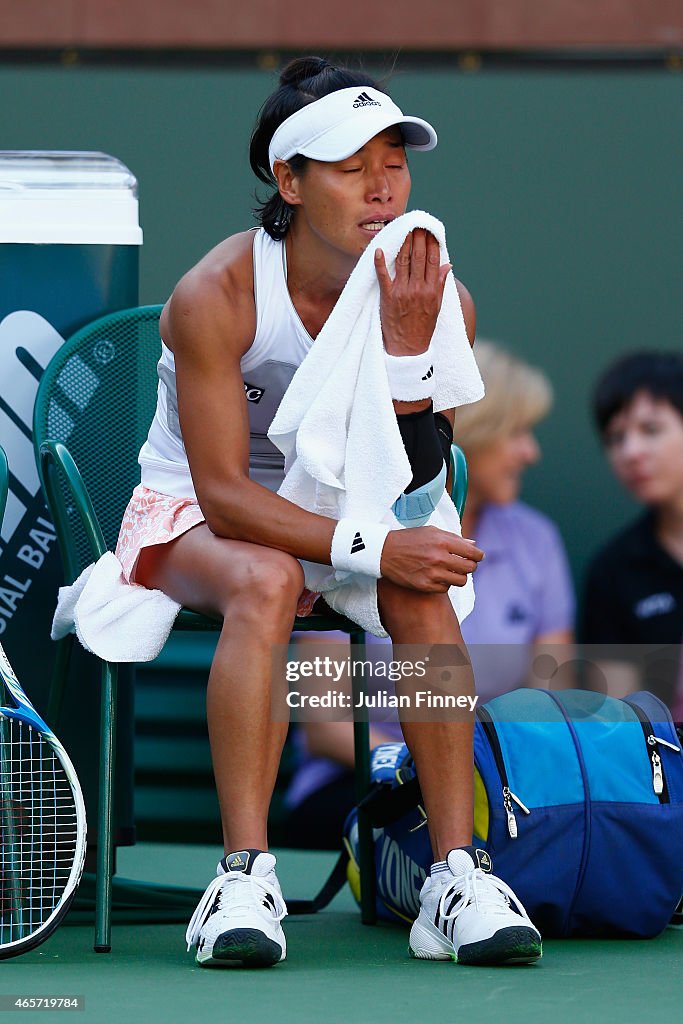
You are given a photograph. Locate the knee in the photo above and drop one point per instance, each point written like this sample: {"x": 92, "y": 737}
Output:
{"x": 271, "y": 582}
{"x": 403, "y": 609}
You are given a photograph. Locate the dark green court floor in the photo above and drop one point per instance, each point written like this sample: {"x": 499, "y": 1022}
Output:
{"x": 337, "y": 970}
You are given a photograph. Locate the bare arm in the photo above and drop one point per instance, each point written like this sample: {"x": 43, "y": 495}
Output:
{"x": 210, "y": 324}
{"x": 409, "y": 308}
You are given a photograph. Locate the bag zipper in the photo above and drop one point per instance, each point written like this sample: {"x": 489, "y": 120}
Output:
{"x": 652, "y": 743}
{"x": 508, "y": 796}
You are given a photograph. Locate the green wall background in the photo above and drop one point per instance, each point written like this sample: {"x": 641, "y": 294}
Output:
{"x": 560, "y": 190}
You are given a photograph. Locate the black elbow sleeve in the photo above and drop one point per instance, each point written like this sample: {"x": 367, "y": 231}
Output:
{"x": 445, "y": 432}
{"x": 422, "y": 434}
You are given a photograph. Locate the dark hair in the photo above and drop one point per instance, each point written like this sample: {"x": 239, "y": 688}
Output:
{"x": 301, "y": 82}
{"x": 658, "y": 373}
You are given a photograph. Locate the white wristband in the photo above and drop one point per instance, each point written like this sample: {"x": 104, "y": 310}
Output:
{"x": 410, "y": 377}
{"x": 357, "y": 546}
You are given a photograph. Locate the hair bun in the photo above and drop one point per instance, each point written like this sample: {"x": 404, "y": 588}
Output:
{"x": 302, "y": 68}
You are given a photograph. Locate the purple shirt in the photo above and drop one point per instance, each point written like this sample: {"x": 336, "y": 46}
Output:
{"x": 523, "y": 589}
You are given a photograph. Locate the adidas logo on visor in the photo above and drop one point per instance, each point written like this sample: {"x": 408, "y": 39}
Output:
{"x": 366, "y": 101}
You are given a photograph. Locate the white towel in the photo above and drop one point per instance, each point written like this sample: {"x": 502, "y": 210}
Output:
{"x": 117, "y": 621}
{"x": 344, "y": 457}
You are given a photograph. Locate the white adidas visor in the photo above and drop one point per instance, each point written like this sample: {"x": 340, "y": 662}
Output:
{"x": 338, "y": 125}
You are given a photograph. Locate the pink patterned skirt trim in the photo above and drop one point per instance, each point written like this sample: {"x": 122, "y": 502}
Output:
{"x": 153, "y": 518}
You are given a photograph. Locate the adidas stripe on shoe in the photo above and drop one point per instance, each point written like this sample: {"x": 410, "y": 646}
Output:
{"x": 469, "y": 915}
{"x": 237, "y": 920}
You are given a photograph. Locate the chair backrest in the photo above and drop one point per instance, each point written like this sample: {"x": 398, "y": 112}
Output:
{"x": 97, "y": 396}
{"x": 4, "y": 483}
{"x": 459, "y": 478}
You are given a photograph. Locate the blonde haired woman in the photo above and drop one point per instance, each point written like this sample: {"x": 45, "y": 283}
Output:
{"x": 524, "y": 594}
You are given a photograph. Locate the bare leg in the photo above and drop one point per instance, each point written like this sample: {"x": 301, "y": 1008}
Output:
{"x": 442, "y": 750}
{"x": 256, "y": 590}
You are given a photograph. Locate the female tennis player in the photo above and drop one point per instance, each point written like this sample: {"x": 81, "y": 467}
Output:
{"x": 207, "y": 528}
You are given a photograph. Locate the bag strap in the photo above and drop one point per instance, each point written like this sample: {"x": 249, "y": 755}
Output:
{"x": 334, "y": 883}
{"x": 385, "y": 804}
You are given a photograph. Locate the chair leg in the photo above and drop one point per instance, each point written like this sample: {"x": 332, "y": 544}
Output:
{"x": 60, "y": 674}
{"x": 105, "y": 858}
{"x": 366, "y": 845}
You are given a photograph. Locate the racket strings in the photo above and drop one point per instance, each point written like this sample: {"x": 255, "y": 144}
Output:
{"x": 38, "y": 829}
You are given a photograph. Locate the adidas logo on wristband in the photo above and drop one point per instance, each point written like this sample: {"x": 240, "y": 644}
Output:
{"x": 356, "y": 551}
{"x": 411, "y": 378}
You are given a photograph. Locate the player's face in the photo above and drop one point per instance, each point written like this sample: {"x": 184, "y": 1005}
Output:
{"x": 644, "y": 444}
{"x": 495, "y": 471}
{"x": 345, "y": 204}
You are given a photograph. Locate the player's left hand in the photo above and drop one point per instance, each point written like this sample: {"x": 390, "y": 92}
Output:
{"x": 410, "y": 302}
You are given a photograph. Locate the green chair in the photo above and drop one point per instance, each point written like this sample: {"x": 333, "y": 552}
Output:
{"x": 94, "y": 405}
{"x": 459, "y": 479}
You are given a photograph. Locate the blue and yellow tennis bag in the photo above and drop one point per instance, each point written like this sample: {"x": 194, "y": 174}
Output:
{"x": 578, "y": 799}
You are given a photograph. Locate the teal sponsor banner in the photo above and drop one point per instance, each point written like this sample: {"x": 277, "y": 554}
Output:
{"x": 47, "y": 291}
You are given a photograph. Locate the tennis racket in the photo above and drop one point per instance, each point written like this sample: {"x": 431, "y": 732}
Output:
{"x": 42, "y": 824}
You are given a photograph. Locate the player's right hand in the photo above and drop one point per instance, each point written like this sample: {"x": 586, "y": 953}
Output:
{"x": 428, "y": 559}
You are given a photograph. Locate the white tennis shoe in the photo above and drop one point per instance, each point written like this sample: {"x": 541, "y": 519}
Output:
{"x": 471, "y": 916}
{"x": 238, "y": 918}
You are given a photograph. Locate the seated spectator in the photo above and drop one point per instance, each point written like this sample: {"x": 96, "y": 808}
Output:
{"x": 524, "y": 595}
{"x": 633, "y": 595}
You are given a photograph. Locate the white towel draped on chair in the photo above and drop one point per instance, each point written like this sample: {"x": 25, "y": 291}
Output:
{"x": 116, "y": 620}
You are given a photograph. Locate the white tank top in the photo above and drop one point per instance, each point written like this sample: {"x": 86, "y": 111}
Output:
{"x": 280, "y": 343}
